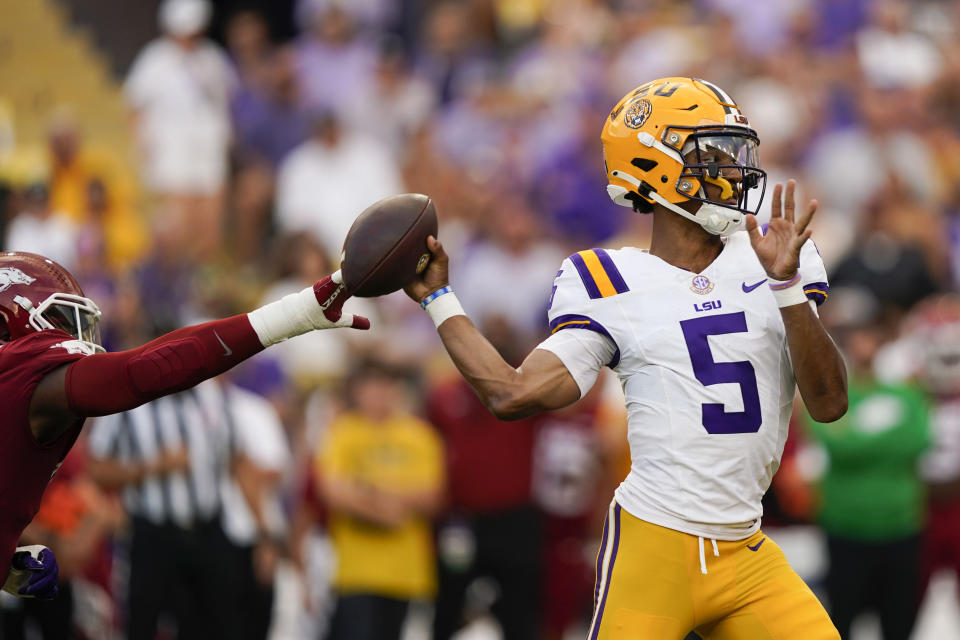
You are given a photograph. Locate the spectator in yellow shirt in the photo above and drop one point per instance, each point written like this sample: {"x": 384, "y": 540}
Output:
{"x": 91, "y": 187}
{"x": 381, "y": 476}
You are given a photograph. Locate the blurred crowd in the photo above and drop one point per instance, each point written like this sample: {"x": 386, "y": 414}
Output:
{"x": 345, "y": 480}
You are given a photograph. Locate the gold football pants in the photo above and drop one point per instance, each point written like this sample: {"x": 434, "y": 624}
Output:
{"x": 655, "y": 583}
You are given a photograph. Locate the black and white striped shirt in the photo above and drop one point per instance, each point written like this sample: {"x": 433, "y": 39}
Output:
{"x": 197, "y": 419}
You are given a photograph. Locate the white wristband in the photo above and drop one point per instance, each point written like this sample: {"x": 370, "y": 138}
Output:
{"x": 291, "y": 315}
{"x": 788, "y": 292}
{"x": 444, "y": 307}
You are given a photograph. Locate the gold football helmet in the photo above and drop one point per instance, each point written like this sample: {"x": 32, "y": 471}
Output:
{"x": 667, "y": 139}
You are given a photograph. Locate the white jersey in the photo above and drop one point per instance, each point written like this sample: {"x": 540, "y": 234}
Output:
{"x": 705, "y": 370}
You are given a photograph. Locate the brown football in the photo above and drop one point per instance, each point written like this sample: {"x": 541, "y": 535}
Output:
{"x": 386, "y": 248}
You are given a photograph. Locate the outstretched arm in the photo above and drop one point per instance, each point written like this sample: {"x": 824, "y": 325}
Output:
{"x": 817, "y": 364}
{"x": 541, "y": 383}
{"x": 107, "y": 383}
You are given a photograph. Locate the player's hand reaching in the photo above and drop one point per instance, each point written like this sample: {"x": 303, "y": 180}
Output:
{"x": 435, "y": 276}
{"x": 331, "y": 294}
{"x": 779, "y": 249}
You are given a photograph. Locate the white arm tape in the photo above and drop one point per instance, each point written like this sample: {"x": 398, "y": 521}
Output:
{"x": 443, "y": 308}
{"x": 291, "y": 315}
{"x": 787, "y": 294}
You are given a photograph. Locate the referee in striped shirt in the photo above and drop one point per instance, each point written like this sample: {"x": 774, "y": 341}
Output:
{"x": 168, "y": 457}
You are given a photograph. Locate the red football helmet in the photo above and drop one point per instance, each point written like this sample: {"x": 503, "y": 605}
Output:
{"x": 37, "y": 294}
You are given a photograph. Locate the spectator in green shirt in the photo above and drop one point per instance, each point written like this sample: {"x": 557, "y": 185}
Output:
{"x": 872, "y": 496}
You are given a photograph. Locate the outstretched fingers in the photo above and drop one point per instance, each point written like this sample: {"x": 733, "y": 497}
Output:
{"x": 789, "y": 203}
{"x": 753, "y": 228}
{"x": 775, "y": 211}
{"x": 436, "y": 248}
{"x": 807, "y": 216}
{"x": 354, "y": 322}
{"x": 334, "y": 313}
{"x": 798, "y": 241}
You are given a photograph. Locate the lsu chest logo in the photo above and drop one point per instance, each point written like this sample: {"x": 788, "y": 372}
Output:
{"x": 701, "y": 285}
{"x": 10, "y": 276}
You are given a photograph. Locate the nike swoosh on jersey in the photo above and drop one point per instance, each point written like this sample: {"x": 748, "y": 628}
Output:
{"x": 226, "y": 350}
{"x": 756, "y": 547}
{"x": 747, "y": 288}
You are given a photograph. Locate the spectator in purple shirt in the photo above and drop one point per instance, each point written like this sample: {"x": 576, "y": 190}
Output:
{"x": 334, "y": 61}
{"x": 271, "y": 121}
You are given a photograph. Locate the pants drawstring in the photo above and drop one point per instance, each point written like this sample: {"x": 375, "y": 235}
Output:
{"x": 703, "y": 560}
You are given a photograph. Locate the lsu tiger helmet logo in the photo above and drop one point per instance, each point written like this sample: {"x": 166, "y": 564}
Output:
{"x": 668, "y": 139}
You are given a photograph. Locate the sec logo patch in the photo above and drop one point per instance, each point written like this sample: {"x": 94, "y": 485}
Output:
{"x": 701, "y": 284}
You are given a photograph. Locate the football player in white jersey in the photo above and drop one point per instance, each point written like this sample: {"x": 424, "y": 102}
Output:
{"x": 710, "y": 331}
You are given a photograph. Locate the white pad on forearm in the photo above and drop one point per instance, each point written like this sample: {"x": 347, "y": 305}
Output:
{"x": 291, "y": 315}
{"x": 443, "y": 308}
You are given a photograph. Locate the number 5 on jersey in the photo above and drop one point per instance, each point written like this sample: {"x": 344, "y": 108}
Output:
{"x": 716, "y": 419}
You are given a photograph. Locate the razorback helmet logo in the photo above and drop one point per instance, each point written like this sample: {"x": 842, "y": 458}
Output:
{"x": 11, "y": 275}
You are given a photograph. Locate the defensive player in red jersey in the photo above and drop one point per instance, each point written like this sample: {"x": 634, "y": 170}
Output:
{"x": 54, "y": 374}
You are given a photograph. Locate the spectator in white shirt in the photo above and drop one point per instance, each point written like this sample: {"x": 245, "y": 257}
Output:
{"x": 395, "y": 104}
{"x": 514, "y": 251}
{"x": 38, "y": 229}
{"x": 326, "y": 182}
{"x": 179, "y": 88}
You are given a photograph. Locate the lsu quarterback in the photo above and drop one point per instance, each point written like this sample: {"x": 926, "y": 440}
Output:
{"x": 710, "y": 331}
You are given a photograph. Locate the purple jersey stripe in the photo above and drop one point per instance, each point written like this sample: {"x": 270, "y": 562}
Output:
{"x": 574, "y": 321}
{"x": 603, "y": 549}
{"x": 613, "y": 559}
{"x": 612, "y": 272}
{"x": 592, "y": 290}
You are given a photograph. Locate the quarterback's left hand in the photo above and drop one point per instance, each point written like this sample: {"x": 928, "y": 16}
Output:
{"x": 779, "y": 249}
{"x": 33, "y": 573}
